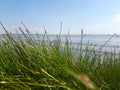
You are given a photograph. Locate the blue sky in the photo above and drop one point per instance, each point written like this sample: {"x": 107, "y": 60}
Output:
{"x": 94, "y": 16}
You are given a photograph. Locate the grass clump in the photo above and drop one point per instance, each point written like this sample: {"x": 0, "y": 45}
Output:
{"x": 30, "y": 64}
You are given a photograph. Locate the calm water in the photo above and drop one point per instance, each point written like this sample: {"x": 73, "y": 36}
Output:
{"x": 88, "y": 40}
{"x": 92, "y": 41}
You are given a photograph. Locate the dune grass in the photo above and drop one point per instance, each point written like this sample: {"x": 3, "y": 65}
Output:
{"x": 31, "y": 64}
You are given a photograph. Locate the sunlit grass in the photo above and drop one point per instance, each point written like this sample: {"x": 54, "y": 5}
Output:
{"x": 31, "y": 64}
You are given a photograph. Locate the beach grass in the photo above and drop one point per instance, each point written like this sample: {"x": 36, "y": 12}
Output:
{"x": 29, "y": 64}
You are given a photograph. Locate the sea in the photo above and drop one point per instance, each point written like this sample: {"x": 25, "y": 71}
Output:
{"x": 103, "y": 42}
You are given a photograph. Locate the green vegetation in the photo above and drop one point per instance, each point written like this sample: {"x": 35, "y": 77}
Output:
{"x": 39, "y": 65}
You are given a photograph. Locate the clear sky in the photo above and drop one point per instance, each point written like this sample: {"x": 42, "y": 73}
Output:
{"x": 94, "y": 16}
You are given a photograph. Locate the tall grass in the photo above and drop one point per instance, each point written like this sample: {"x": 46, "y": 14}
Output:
{"x": 31, "y": 64}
